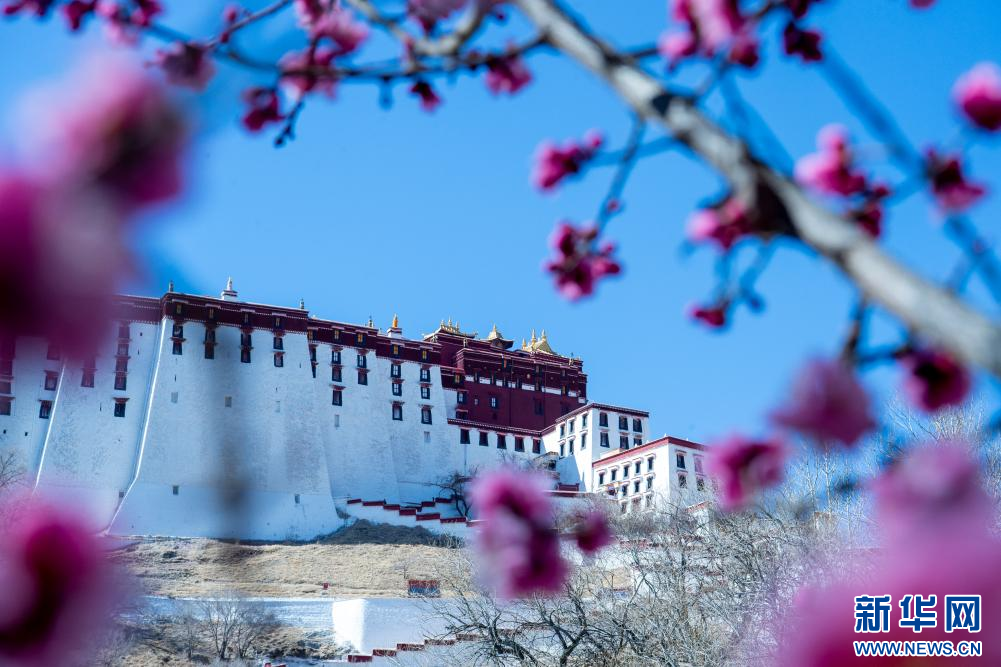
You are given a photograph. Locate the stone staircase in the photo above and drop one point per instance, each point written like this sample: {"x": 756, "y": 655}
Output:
{"x": 437, "y": 515}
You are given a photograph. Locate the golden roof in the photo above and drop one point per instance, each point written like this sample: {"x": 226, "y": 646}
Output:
{"x": 542, "y": 345}
{"x": 494, "y": 334}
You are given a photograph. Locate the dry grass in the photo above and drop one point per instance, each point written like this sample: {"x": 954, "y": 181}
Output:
{"x": 361, "y": 560}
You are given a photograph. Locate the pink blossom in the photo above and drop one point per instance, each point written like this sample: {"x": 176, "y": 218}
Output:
{"x": 592, "y": 532}
{"x": 934, "y": 490}
{"x": 76, "y": 11}
{"x": 554, "y": 163}
{"x": 59, "y": 589}
{"x": 578, "y": 265}
{"x": 262, "y": 108}
{"x": 921, "y": 4}
{"x": 724, "y": 224}
{"x": 60, "y": 262}
{"x": 952, "y": 191}
{"x": 802, "y": 43}
{"x": 978, "y": 94}
{"x": 712, "y": 316}
{"x": 231, "y": 13}
{"x": 507, "y": 74}
{"x": 800, "y": 8}
{"x": 334, "y": 23}
{"x": 115, "y": 128}
{"x": 712, "y": 26}
{"x": 517, "y": 541}
{"x": 302, "y": 72}
{"x": 827, "y": 403}
{"x": 186, "y": 64}
{"x": 427, "y": 95}
{"x": 831, "y": 169}
{"x": 124, "y": 20}
{"x": 743, "y": 467}
{"x": 429, "y": 12}
{"x": 37, "y": 7}
{"x": 934, "y": 379}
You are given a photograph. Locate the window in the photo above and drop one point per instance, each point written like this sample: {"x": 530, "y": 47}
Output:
{"x": 700, "y": 483}
{"x": 362, "y": 361}
{"x": 338, "y": 397}
{"x": 123, "y": 349}
{"x": 5, "y": 403}
{"x": 175, "y": 489}
{"x": 536, "y": 446}
{"x": 52, "y": 353}
{"x": 519, "y": 444}
{"x": 625, "y": 471}
{"x": 426, "y": 393}
{"x": 121, "y": 365}
{"x": 210, "y": 335}
{"x": 6, "y": 366}
{"x": 335, "y": 373}
{"x": 279, "y": 343}
{"x": 649, "y": 501}
{"x": 227, "y": 401}
{"x": 649, "y": 483}
{"x": 425, "y": 415}
{"x": 173, "y": 397}
{"x": 601, "y": 478}
{"x": 119, "y": 408}
{"x": 362, "y": 377}
{"x": 296, "y": 498}
{"x": 638, "y": 467}
{"x": 245, "y": 355}
{"x": 246, "y": 340}
{"x": 335, "y": 356}
{"x": 614, "y": 472}
{"x": 312, "y": 351}
{"x": 681, "y": 460}
{"x": 51, "y": 379}
{"x": 427, "y": 437}
{"x": 636, "y": 486}
{"x": 494, "y": 402}
{"x": 483, "y": 439}
{"x": 121, "y": 382}
{"x": 638, "y": 425}
{"x": 682, "y": 481}
{"x": 570, "y": 425}
{"x": 603, "y": 439}
{"x": 570, "y": 446}
{"x": 623, "y": 423}
{"x": 464, "y": 436}
{"x": 637, "y": 442}
{"x": 395, "y": 370}
{"x": 5, "y": 386}
{"x": 461, "y": 398}
{"x": 624, "y": 491}
{"x": 583, "y": 441}
{"x": 123, "y": 330}
{"x": 177, "y": 332}
{"x": 425, "y": 375}
{"x": 397, "y": 412}
{"x": 87, "y": 380}
{"x": 501, "y": 441}
{"x": 563, "y": 430}
{"x": 563, "y": 450}
{"x": 649, "y": 464}
{"x": 210, "y": 351}
{"x": 583, "y": 421}
{"x": 625, "y": 507}
{"x": 698, "y": 464}
{"x": 602, "y": 419}
{"x": 623, "y": 442}
{"x": 279, "y": 359}
{"x": 337, "y": 421}
{"x": 397, "y": 389}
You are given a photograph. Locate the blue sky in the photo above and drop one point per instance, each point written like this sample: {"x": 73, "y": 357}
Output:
{"x": 433, "y": 216}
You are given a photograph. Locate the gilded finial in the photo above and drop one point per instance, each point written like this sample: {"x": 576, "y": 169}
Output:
{"x": 371, "y": 323}
{"x": 534, "y": 339}
{"x": 396, "y": 322}
{"x": 524, "y": 345}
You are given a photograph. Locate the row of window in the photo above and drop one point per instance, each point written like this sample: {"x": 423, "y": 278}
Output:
{"x": 680, "y": 461}
{"x": 461, "y": 398}
{"x": 637, "y": 485}
{"x": 568, "y": 426}
{"x": 635, "y": 503}
{"x": 636, "y": 466}
{"x": 484, "y": 441}
{"x": 45, "y": 408}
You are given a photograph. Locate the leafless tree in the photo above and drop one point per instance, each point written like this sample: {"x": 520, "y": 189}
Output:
{"x": 232, "y": 626}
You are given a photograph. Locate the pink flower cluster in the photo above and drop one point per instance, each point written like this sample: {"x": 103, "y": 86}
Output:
{"x": 937, "y": 541}
{"x": 743, "y": 467}
{"x": 723, "y": 224}
{"x": 711, "y": 27}
{"x": 827, "y": 403}
{"x": 426, "y": 94}
{"x": 978, "y": 95}
{"x": 507, "y": 74}
{"x": 59, "y": 589}
{"x": 124, "y": 19}
{"x": 578, "y": 265}
{"x": 330, "y": 21}
{"x": 950, "y": 187}
{"x": 711, "y": 315}
{"x": 934, "y": 379}
{"x": 429, "y": 12}
{"x": 186, "y": 64}
{"x": 554, "y": 163}
{"x": 105, "y": 149}
{"x": 517, "y": 542}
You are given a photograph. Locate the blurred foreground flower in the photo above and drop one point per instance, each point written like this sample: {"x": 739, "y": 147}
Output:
{"x": 934, "y": 379}
{"x": 517, "y": 542}
{"x": 744, "y": 467}
{"x": 59, "y": 589}
{"x": 827, "y": 403}
{"x": 578, "y": 265}
{"x": 978, "y": 94}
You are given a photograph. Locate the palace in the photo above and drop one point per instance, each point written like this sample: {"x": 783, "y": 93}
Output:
{"x": 222, "y": 418}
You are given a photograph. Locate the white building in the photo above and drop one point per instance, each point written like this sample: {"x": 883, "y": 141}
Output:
{"x": 217, "y": 417}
